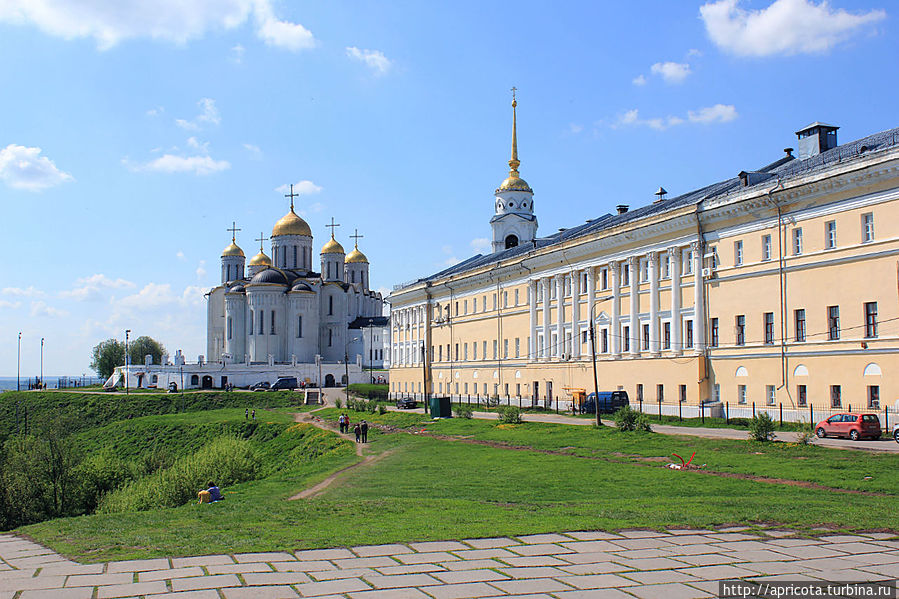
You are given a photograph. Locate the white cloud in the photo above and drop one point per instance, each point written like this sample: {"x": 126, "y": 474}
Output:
{"x": 209, "y": 115}
{"x": 9, "y": 305}
{"x": 201, "y": 269}
{"x": 304, "y": 187}
{"x": 95, "y": 288}
{"x": 108, "y": 22}
{"x": 180, "y": 255}
{"x": 639, "y": 80}
{"x": 575, "y": 128}
{"x": 451, "y": 261}
{"x": 19, "y": 292}
{"x": 169, "y": 163}
{"x": 784, "y": 27}
{"x": 671, "y": 72}
{"x": 374, "y": 59}
{"x": 255, "y": 152}
{"x": 25, "y": 168}
{"x": 237, "y": 53}
{"x": 719, "y": 113}
{"x": 631, "y": 118}
{"x": 40, "y": 308}
{"x": 693, "y": 53}
{"x": 481, "y": 245}
{"x": 156, "y": 111}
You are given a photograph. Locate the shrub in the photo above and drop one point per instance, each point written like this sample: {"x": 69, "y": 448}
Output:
{"x": 371, "y": 406}
{"x": 626, "y": 418}
{"x": 509, "y": 415}
{"x": 761, "y": 427}
{"x": 806, "y": 434}
{"x": 463, "y": 411}
{"x": 642, "y": 423}
{"x": 338, "y": 403}
{"x": 226, "y": 461}
{"x": 369, "y": 391}
{"x": 382, "y": 409}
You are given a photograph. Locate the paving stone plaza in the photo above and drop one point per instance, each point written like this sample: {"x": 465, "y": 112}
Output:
{"x": 675, "y": 564}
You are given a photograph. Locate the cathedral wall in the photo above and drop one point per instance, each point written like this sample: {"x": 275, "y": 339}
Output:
{"x": 236, "y": 329}
{"x": 333, "y": 313}
{"x": 215, "y": 324}
{"x": 292, "y": 251}
{"x": 303, "y": 326}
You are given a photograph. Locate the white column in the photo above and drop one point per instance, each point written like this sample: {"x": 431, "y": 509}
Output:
{"x": 591, "y": 300}
{"x": 676, "y": 343}
{"x": 698, "y": 299}
{"x": 633, "y": 263}
{"x": 654, "y": 342}
{"x": 532, "y": 311}
{"x": 615, "y": 332}
{"x": 576, "y": 314}
{"x": 545, "y": 353}
{"x": 560, "y": 315}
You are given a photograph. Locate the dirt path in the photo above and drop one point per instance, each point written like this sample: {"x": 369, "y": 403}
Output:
{"x": 311, "y": 418}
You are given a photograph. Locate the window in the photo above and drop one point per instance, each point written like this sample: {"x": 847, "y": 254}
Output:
{"x": 797, "y": 241}
{"x": 604, "y": 336}
{"x": 665, "y": 262}
{"x": 769, "y": 328}
{"x": 716, "y": 392}
{"x": 799, "y": 316}
{"x": 566, "y": 286}
{"x": 627, "y": 339}
{"x": 870, "y": 319}
{"x": 494, "y": 301}
{"x": 688, "y": 262}
{"x": 229, "y": 327}
{"x": 474, "y": 350}
{"x": 740, "y": 329}
{"x": 640, "y": 392}
{"x": 330, "y": 305}
{"x": 330, "y": 337}
{"x": 645, "y": 336}
{"x": 465, "y": 352}
{"x": 495, "y": 348}
{"x": 833, "y": 323}
{"x": 583, "y": 288}
{"x": 769, "y": 395}
{"x": 802, "y": 395}
{"x": 457, "y": 308}
{"x": 584, "y": 336}
{"x": 666, "y": 335}
{"x": 518, "y": 389}
{"x": 738, "y": 253}
{"x": 229, "y": 272}
{"x": 873, "y": 397}
{"x": 299, "y": 326}
{"x": 604, "y": 278}
{"x": 485, "y": 353}
{"x": 294, "y": 256}
{"x": 517, "y": 347}
{"x": 484, "y": 303}
{"x": 261, "y": 322}
{"x": 516, "y": 297}
{"x": 688, "y": 325}
{"x": 251, "y": 322}
{"x": 505, "y": 348}
{"x": 644, "y": 270}
{"x": 506, "y": 389}
{"x": 766, "y": 247}
{"x": 625, "y": 274}
{"x": 741, "y": 393}
{"x": 440, "y": 353}
{"x": 505, "y": 299}
{"x": 474, "y": 305}
{"x": 867, "y": 227}
{"x": 465, "y": 306}
{"x": 660, "y": 392}
{"x": 714, "y": 339}
{"x": 683, "y": 393}
{"x": 836, "y": 396}
{"x": 830, "y": 234}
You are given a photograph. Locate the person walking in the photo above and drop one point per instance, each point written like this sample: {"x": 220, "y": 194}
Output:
{"x": 341, "y": 422}
{"x": 254, "y": 414}
{"x": 358, "y": 430}
{"x": 364, "y": 430}
{"x": 246, "y": 414}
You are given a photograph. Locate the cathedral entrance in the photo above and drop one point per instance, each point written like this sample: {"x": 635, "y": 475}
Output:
{"x": 207, "y": 382}
{"x": 329, "y": 380}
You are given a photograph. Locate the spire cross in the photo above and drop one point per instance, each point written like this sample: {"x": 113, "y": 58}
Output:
{"x": 514, "y": 163}
{"x": 234, "y": 231}
{"x": 514, "y": 89}
{"x": 262, "y": 238}
{"x": 291, "y": 195}
{"x": 356, "y": 237}
{"x": 332, "y": 226}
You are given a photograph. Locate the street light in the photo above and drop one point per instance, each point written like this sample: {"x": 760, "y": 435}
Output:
{"x": 18, "y": 361}
{"x": 593, "y": 353}
{"x": 42, "y": 362}
{"x": 127, "y": 332}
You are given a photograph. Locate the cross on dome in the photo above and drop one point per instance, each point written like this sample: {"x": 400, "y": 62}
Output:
{"x": 356, "y": 237}
{"x": 332, "y": 226}
{"x": 234, "y": 231}
{"x": 291, "y": 195}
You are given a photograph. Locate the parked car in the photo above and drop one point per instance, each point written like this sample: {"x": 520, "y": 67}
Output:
{"x": 609, "y": 402}
{"x": 406, "y": 403}
{"x": 854, "y": 426}
{"x": 896, "y": 432}
{"x": 285, "y": 382}
{"x": 261, "y": 386}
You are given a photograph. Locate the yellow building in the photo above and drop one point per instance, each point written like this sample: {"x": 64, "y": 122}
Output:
{"x": 778, "y": 287}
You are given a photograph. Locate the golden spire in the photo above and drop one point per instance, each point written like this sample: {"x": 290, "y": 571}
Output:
{"x": 513, "y": 164}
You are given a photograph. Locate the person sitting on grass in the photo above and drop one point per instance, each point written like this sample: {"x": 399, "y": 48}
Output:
{"x": 210, "y": 494}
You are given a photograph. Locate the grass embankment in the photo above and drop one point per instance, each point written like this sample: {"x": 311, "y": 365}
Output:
{"x": 471, "y": 478}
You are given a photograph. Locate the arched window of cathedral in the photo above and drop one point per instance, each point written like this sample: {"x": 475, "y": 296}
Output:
{"x": 511, "y": 241}
{"x": 261, "y": 322}
{"x": 330, "y": 306}
{"x": 273, "y": 322}
{"x": 229, "y": 273}
{"x": 330, "y": 337}
{"x": 352, "y": 276}
{"x": 229, "y": 328}
{"x": 294, "y": 256}
{"x": 251, "y": 322}
{"x": 300, "y": 325}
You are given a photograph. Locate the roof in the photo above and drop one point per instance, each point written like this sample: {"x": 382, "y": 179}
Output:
{"x": 783, "y": 168}
{"x": 369, "y": 321}
{"x": 816, "y": 124}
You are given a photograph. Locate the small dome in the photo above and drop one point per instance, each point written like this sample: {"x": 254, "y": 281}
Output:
{"x": 260, "y": 259}
{"x": 333, "y": 247}
{"x": 232, "y": 250}
{"x": 270, "y": 275}
{"x": 237, "y": 289}
{"x": 291, "y": 224}
{"x": 515, "y": 184}
{"x": 356, "y": 257}
{"x": 301, "y": 286}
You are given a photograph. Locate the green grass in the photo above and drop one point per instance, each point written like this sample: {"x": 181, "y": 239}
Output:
{"x": 432, "y": 488}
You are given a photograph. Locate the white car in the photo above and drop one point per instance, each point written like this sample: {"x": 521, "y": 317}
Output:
{"x": 896, "y": 432}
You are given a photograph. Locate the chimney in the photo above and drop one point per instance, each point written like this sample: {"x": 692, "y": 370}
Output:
{"x": 660, "y": 193}
{"x": 816, "y": 138}
{"x": 622, "y": 208}
{"x": 788, "y": 152}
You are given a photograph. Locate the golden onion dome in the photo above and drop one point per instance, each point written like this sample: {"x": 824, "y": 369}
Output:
{"x": 356, "y": 257}
{"x": 260, "y": 259}
{"x": 232, "y": 250}
{"x": 333, "y": 247}
{"x": 291, "y": 224}
{"x": 513, "y": 183}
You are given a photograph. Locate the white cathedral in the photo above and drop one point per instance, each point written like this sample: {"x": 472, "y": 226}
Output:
{"x": 278, "y": 316}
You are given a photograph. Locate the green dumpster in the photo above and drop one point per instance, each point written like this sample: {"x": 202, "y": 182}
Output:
{"x": 441, "y": 407}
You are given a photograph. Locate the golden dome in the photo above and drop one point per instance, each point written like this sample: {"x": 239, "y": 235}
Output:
{"x": 291, "y": 224}
{"x": 513, "y": 183}
{"x": 232, "y": 250}
{"x": 356, "y": 257}
{"x": 260, "y": 259}
{"x": 333, "y": 247}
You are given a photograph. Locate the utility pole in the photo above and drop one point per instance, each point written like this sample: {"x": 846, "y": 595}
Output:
{"x": 127, "y": 332}
{"x": 424, "y": 377}
{"x": 42, "y": 363}
{"x": 595, "y": 378}
{"x": 18, "y": 361}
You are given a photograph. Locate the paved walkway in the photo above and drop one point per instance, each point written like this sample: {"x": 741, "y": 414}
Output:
{"x": 677, "y": 564}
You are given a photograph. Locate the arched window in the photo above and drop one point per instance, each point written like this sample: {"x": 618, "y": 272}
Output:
{"x": 229, "y": 273}
{"x": 251, "y": 322}
{"x": 294, "y": 256}
{"x": 511, "y": 241}
{"x": 194, "y": 380}
{"x": 352, "y": 276}
{"x": 229, "y": 328}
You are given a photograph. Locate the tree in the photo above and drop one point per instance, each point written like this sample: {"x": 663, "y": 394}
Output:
{"x": 106, "y": 355}
{"x": 144, "y": 346}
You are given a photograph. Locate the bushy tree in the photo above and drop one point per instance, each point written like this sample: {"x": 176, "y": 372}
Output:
{"x": 144, "y": 346}
{"x": 108, "y": 354}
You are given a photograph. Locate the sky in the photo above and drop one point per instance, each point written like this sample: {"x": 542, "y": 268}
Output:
{"x": 134, "y": 132}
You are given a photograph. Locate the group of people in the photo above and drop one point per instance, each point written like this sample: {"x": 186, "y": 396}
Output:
{"x": 210, "y": 494}
{"x": 246, "y": 414}
{"x": 360, "y": 429}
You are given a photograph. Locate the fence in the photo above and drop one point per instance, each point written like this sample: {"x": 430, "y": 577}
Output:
{"x": 553, "y": 404}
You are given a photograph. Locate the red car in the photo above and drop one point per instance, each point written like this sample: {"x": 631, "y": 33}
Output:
{"x": 854, "y": 426}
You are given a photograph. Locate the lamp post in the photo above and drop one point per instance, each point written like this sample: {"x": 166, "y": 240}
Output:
{"x": 593, "y": 354}
{"x": 18, "y": 361}
{"x": 127, "y": 332}
{"x": 42, "y": 362}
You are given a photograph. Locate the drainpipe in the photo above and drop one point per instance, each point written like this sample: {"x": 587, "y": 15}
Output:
{"x": 705, "y": 299}
{"x": 780, "y": 277}
{"x": 452, "y": 343}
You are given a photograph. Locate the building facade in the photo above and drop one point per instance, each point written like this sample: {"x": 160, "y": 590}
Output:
{"x": 777, "y": 287}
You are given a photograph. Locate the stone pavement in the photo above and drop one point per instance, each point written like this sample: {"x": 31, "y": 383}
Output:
{"x": 677, "y": 564}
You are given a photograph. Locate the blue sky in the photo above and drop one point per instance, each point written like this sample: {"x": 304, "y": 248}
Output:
{"x": 133, "y": 133}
